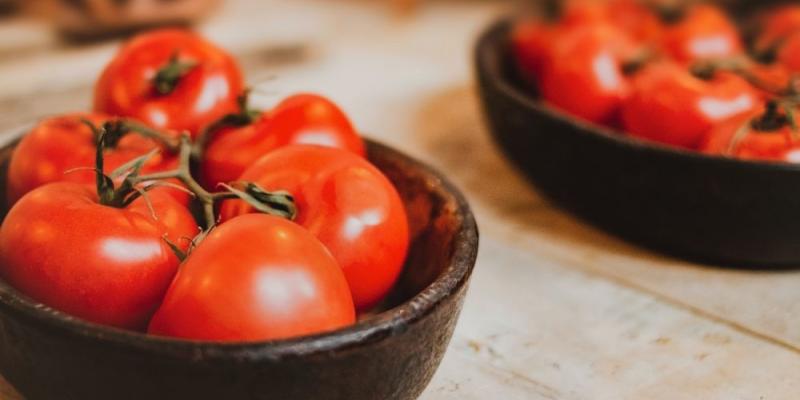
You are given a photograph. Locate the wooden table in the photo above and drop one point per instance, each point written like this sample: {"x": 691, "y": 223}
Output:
{"x": 557, "y": 309}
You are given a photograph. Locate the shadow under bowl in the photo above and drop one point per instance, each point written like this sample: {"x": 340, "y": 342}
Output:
{"x": 393, "y": 354}
{"x": 702, "y": 208}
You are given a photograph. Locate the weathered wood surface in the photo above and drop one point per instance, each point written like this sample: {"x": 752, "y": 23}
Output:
{"x": 557, "y": 309}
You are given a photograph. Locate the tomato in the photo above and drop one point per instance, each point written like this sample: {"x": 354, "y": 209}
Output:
{"x": 585, "y": 75}
{"x": 631, "y": 16}
{"x": 669, "y": 105}
{"x": 703, "y": 32}
{"x": 256, "y": 277}
{"x": 107, "y": 265}
{"x": 298, "y": 119}
{"x": 778, "y": 24}
{"x": 345, "y": 202}
{"x": 55, "y": 147}
{"x": 789, "y": 53}
{"x": 755, "y": 136}
{"x": 170, "y": 79}
{"x": 531, "y": 42}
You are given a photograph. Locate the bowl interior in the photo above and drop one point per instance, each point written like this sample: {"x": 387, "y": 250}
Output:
{"x": 440, "y": 260}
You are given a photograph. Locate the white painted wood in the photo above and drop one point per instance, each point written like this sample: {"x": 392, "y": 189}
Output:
{"x": 557, "y": 309}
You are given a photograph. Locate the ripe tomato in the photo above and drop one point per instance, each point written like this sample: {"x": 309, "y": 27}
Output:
{"x": 170, "y": 79}
{"x": 60, "y": 144}
{"x": 778, "y": 24}
{"x": 631, "y": 16}
{"x": 345, "y": 202}
{"x": 107, "y": 265}
{"x": 703, "y": 32}
{"x": 256, "y": 277}
{"x": 299, "y": 119}
{"x": 531, "y": 42}
{"x": 585, "y": 75}
{"x": 754, "y": 136}
{"x": 789, "y": 53}
{"x": 669, "y": 105}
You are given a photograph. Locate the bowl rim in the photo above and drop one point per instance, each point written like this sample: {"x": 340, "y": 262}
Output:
{"x": 489, "y": 56}
{"x": 455, "y": 275}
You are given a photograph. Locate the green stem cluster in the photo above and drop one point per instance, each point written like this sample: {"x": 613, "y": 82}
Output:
{"x": 135, "y": 184}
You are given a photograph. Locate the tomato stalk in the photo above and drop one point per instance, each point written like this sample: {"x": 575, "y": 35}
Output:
{"x": 244, "y": 117}
{"x": 275, "y": 203}
{"x": 167, "y": 78}
{"x": 706, "y": 70}
{"x": 776, "y": 116}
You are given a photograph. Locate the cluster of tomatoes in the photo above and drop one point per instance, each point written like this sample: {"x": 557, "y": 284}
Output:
{"x": 678, "y": 73}
{"x": 173, "y": 208}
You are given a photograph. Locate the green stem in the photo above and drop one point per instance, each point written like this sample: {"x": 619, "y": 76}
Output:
{"x": 277, "y": 203}
{"x": 244, "y": 117}
{"x": 168, "y": 77}
{"x": 169, "y": 143}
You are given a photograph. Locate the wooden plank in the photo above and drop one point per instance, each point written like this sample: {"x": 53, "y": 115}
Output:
{"x": 534, "y": 329}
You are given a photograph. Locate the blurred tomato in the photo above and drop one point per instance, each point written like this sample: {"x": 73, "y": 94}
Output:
{"x": 762, "y": 135}
{"x": 586, "y": 73}
{"x": 703, "y": 32}
{"x": 669, "y": 105}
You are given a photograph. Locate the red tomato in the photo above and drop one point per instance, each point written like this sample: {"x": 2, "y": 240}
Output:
{"x": 202, "y": 86}
{"x": 60, "y": 144}
{"x": 531, "y": 42}
{"x": 585, "y": 74}
{"x": 631, "y": 16}
{"x": 772, "y": 78}
{"x": 107, "y": 265}
{"x": 752, "y": 137}
{"x": 789, "y": 53}
{"x": 704, "y": 32}
{"x": 256, "y": 277}
{"x": 345, "y": 202}
{"x": 778, "y": 24}
{"x": 299, "y": 119}
{"x": 669, "y": 105}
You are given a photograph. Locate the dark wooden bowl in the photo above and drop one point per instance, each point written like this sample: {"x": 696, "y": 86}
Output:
{"x": 46, "y": 354}
{"x": 703, "y": 208}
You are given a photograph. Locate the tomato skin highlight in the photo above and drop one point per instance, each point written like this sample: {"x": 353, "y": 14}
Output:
{"x": 255, "y": 278}
{"x": 298, "y": 119}
{"x": 205, "y": 93}
{"x": 348, "y": 204}
{"x": 584, "y": 75}
{"x": 56, "y": 146}
{"x": 705, "y": 32}
{"x": 106, "y": 265}
{"x": 670, "y": 106}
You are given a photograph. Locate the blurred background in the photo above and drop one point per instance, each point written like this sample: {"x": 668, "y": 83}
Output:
{"x": 367, "y": 52}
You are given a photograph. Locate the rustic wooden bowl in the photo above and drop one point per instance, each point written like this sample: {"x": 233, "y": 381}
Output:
{"x": 703, "y": 208}
{"x": 46, "y": 354}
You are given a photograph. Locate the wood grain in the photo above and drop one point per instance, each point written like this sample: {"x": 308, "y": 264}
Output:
{"x": 557, "y": 309}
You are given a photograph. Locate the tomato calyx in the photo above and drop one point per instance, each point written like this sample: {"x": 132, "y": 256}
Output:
{"x": 167, "y": 78}
{"x": 777, "y": 116}
{"x": 244, "y": 117}
{"x": 669, "y": 13}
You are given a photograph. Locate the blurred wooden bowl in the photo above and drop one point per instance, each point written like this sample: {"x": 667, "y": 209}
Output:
{"x": 98, "y": 18}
